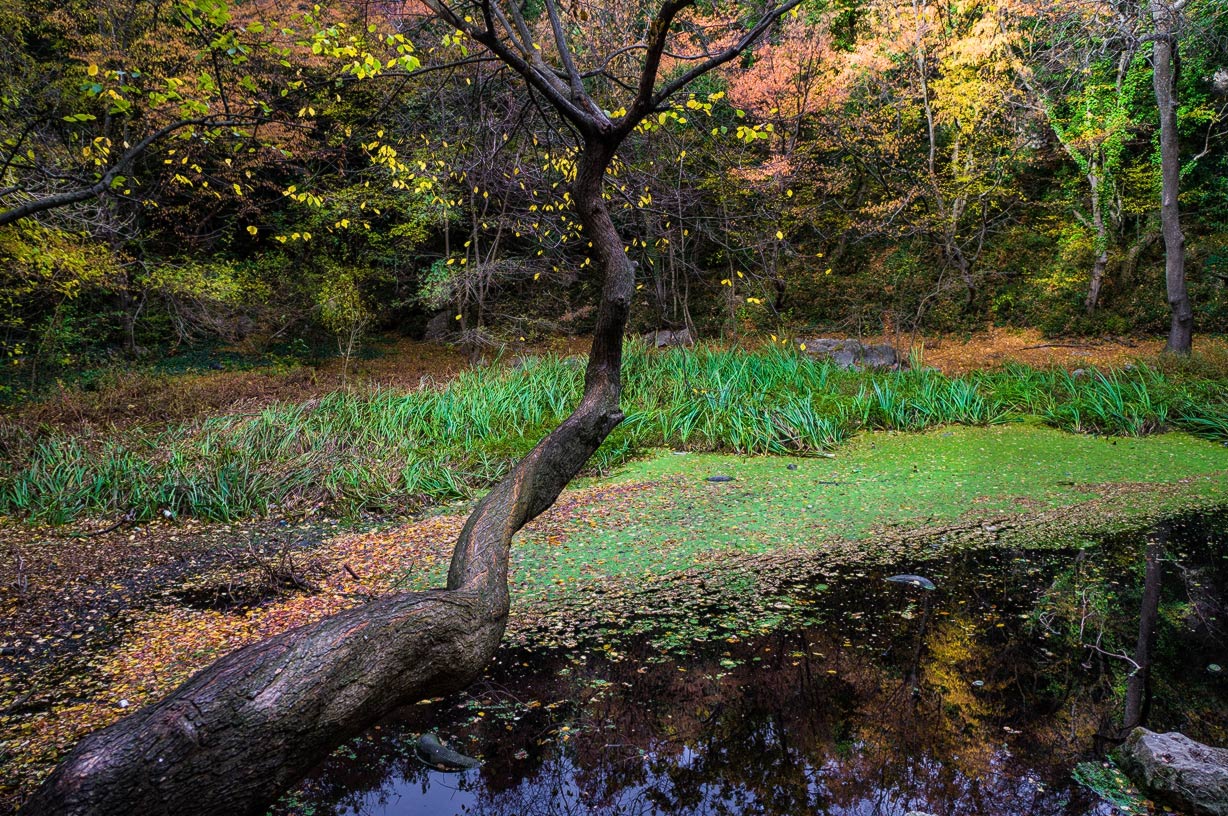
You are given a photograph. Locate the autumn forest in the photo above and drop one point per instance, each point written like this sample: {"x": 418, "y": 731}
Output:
{"x": 613, "y": 407}
{"x": 308, "y": 176}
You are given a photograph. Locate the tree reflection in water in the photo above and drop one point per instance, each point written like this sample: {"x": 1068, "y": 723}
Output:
{"x": 976, "y": 698}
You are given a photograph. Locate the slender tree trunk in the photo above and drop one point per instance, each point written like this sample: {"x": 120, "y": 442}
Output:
{"x": 959, "y": 262}
{"x": 1129, "y": 264}
{"x": 1165, "y": 15}
{"x": 1102, "y": 245}
{"x": 240, "y": 731}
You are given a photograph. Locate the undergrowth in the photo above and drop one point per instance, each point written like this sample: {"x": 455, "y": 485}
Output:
{"x": 380, "y": 449}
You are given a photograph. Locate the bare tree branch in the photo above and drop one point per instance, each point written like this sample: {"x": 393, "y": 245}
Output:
{"x": 51, "y": 202}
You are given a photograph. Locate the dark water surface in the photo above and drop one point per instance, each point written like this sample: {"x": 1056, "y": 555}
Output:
{"x": 978, "y": 697}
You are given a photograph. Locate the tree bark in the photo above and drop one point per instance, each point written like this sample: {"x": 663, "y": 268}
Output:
{"x": 1102, "y": 245}
{"x": 1165, "y": 16}
{"x": 240, "y": 731}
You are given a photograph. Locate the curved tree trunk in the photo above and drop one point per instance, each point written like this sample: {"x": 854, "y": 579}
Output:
{"x": 236, "y": 734}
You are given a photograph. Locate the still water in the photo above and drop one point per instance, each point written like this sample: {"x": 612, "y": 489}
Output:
{"x": 882, "y": 699}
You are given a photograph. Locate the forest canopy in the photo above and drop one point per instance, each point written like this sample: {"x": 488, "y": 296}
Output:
{"x": 294, "y": 177}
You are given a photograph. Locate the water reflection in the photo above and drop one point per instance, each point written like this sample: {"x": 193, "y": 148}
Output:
{"x": 974, "y": 698}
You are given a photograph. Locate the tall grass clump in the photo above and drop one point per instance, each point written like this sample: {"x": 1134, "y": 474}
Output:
{"x": 383, "y": 449}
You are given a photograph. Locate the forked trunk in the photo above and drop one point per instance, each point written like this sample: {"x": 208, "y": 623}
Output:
{"x": 236, "y": 734}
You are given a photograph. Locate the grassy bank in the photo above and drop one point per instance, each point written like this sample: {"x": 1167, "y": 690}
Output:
{"x": 884, "y": 496}
{"x": 390, "y": 449}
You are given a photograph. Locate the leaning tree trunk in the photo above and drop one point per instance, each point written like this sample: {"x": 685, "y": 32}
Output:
{"x": 240, "y": 731}
{"x": 1164, "y": 80}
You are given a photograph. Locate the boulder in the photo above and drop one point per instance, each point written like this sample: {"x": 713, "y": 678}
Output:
{"x": 849, "y": 353}
{"x": 439, "y": 756}
{"x": 1175, "y": 769}
{"x": 670, "y": 337}
{"x": 441, "y": 328}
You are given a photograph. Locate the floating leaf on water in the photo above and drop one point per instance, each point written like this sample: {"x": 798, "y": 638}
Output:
{"x": 912, "y": 580}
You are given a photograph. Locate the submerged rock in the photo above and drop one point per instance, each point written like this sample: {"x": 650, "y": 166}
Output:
{"x": 1175, "y": 769}
{"x": 912, "y": 580}
{"x": 437, "y": 755}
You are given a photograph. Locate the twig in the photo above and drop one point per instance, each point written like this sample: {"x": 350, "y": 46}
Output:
{"x": 1058, "y": 345}
{"x": 128, "y": 518}
{"x": 21, "y": 581}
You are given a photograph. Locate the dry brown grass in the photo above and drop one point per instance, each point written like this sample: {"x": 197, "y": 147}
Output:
{"x": 996, "y": 347}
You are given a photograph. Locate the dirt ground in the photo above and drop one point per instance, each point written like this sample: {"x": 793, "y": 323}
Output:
{"x": 996, "y": 347}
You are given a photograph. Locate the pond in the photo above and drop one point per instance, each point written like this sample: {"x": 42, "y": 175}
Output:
{"x": 882, "y": 697}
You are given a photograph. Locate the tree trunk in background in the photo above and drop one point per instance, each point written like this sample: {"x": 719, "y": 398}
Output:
{"x": 1102, "y": 245}
{"x": 1129, "y": 264}
{"x": 233, "y": 737}
{"x": 1165, "y": 15}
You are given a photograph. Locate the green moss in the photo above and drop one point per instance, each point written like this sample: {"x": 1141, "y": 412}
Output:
{"x": 1110, "y": 784}
{"x": 660, "y": 515}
